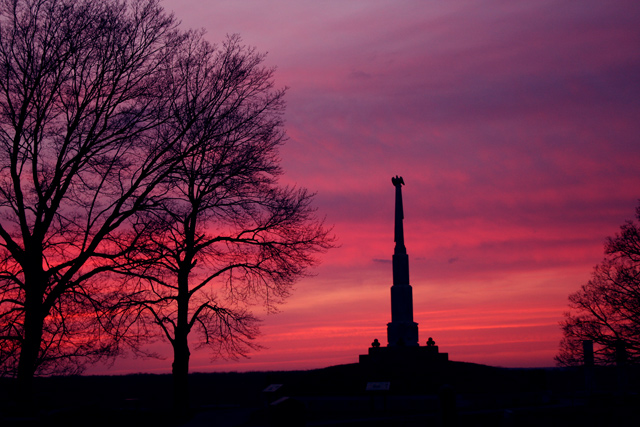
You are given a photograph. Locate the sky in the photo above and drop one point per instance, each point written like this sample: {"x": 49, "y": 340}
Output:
{"x": 516, "y": 128}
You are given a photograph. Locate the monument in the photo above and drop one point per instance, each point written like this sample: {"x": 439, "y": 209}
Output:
{"x": 402, "y": 331}
{"x": 403, "y": 348}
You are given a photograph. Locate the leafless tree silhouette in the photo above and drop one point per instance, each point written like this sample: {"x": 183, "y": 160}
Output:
{"x": 138, "y": 188}
{"x": 226, "y": 236}
{"x": 87, "y": 133}
{"x": 606, "y": 310}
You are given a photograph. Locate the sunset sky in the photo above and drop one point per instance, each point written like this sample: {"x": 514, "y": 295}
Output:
{"x": 516, "y": 127}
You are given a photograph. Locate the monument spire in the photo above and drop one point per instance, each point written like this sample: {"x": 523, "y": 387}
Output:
{"x": 398, "y": 235}
{"x": 402, "y": 331}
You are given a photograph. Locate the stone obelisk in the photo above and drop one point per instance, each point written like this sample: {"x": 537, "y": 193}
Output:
{"x": 402, "y": 331}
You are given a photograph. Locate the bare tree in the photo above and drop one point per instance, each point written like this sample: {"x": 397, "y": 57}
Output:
{"x": 606, "y": 310}
{"x": 87, "y": 134}
{"x": 227, "y": 236}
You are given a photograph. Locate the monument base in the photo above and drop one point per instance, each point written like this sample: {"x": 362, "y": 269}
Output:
{"x": 408, "y": 357}
{"x": 402, "y": 334}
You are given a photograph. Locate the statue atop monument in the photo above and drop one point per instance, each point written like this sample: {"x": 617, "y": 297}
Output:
{"x": 397, "y": 181}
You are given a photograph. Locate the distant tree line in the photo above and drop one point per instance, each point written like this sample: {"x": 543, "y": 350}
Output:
{"x": 139, "y": 192}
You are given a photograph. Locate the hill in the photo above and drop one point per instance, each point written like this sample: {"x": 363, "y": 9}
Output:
{"x": 338, "y": 394}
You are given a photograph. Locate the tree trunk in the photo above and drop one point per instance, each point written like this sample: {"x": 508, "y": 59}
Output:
{"x": 180, "y": 371}
{"x": 28, "y": 362}
{"x": 181, "y": 352}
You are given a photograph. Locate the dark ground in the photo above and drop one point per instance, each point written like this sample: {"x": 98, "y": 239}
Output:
{"x": 454, "y": 393}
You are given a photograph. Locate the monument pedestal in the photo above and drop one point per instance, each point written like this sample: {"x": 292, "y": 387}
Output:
{"x": 402, "y": 334}
{"x": 405, "y": 357}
